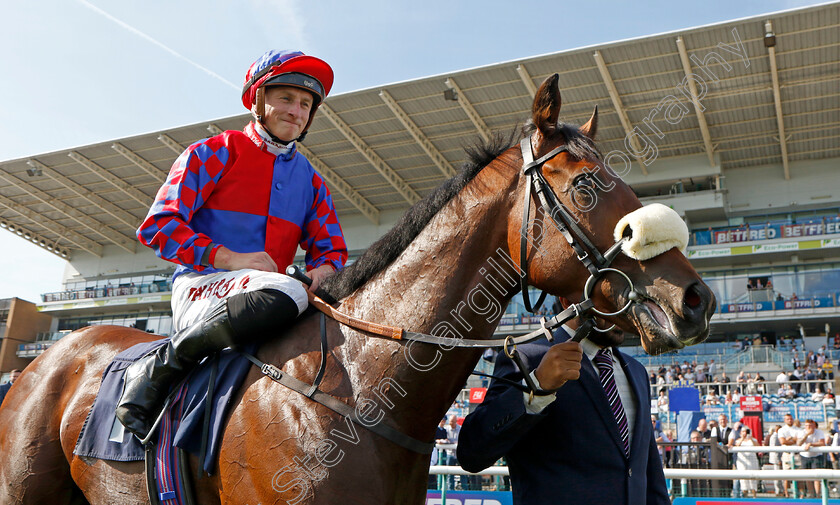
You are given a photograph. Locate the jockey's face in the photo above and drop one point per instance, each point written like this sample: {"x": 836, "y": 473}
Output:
{"x": 287, "y": 111}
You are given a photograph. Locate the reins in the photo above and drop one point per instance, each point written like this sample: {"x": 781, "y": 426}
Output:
{"x": 596, "y": 263}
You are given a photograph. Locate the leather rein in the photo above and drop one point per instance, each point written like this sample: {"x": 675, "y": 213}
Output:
{"x": 596, "y": 263}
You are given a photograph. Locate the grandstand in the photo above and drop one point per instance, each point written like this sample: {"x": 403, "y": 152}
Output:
{"x": 749, "y": 158}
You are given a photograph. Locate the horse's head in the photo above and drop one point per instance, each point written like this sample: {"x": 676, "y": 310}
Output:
{"x": 666, "y": 301}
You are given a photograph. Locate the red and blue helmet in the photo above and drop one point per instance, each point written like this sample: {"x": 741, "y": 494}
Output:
{"x": 288, "y": 68}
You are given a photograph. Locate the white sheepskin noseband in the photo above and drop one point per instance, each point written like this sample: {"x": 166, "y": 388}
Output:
{"x": 655, "y": 229}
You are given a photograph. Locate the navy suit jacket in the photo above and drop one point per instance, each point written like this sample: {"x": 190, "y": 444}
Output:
{"x": 4, "y": 388}
{"x": 571, "y": 451}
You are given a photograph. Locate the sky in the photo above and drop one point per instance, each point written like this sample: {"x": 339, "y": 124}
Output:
{"x": 77, "y": 72}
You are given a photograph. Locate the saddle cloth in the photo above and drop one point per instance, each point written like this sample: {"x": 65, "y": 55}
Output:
{"x": 103, "y": 437}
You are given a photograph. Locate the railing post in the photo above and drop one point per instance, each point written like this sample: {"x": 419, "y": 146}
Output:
{"x": 443, "y": 488}
{"x": 824, "y": 486}
{"x": 441, "y": 478}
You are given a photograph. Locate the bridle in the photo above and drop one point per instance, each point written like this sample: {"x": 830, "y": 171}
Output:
{"x": 587, "y": 253}
{"x": 595, "y": 262}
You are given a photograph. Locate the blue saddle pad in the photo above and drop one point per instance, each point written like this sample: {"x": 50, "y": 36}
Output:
{"x": 103, "y": 437}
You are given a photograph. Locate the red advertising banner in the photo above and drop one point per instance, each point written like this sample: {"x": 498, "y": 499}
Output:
{"x": 477, "y": 395}
{"x": 751, "y": 403}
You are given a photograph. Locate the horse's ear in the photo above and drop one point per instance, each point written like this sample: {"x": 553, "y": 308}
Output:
{"x": 591, "y": 126}
{"x": 547, "y": 106}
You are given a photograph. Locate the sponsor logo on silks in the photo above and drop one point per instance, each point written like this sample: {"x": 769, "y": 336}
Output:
{"x": 219, "y": 289}
{"x": 308, "y": 84}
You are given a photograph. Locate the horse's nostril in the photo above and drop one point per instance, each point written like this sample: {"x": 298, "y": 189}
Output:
{"x": 627, "y": 233}
{"x": 692, "y": 298}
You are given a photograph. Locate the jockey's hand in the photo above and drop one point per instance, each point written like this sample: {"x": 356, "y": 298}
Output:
{"x": 318, "y": 275}
{"x": 560, "y": 364}
{"x": 229, "y": 260}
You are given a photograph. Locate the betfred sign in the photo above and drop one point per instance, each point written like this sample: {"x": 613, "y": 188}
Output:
{"x": 751, "y": 403}
{"x": 477, "y": 395}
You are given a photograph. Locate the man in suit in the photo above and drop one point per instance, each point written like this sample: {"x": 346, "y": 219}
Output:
{"x": 720, "y": 433}
{"x": 4, "y": 388}
{"x": 569, "y": 447}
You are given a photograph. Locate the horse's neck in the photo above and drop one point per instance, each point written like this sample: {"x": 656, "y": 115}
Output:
{"x": 452, "y": 281}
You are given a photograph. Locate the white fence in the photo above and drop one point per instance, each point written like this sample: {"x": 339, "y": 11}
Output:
{"x": 824, "y": 476}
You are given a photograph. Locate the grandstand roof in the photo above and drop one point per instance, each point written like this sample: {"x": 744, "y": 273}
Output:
{"x": 383, "y": 148}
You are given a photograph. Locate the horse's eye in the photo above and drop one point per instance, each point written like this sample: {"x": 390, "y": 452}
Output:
{"x": 583, "y": 180}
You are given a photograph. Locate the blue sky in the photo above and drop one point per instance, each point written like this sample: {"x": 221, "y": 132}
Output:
{"x": 77, "y": 72}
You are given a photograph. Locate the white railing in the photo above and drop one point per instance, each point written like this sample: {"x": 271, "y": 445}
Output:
{"x": 784, "y": 448}
{"x": 684, "y": 473}
{"x": 692, "y": 473}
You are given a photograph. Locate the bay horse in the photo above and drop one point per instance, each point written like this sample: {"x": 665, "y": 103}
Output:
{"x": 449, "y": 268}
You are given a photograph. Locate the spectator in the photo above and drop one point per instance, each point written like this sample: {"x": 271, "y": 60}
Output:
{"x": 440, "y": 438}
{"x": 670, "y": 452}
{"x": 810, "y": 376}
{"x": 788, "y": 435}
{"x": 703, "y": 429}
{"x": 695, "y": 456}
{"x": 659, "y": 437}
{"x": 747, "y": 460}
{"x": 730, "y": 442}
{"x": 453, "y": 430}
{"x": 759, "y": 383}
{"x": 822, "y": 376}
{"x": 834, "y": 441}
{"x": 722, "y": 431}
{"x": 786, "y": 391}
{"x": 13, "y": 375}
{"x": 440, "y": 432}
{"x": 751, "y": 388}
{"x": 795, "y": 381}
{"x": 810, "y": 437}
{"x": 662, "y": 402}
{"x": 781, "y": 378}
{"x": 774, "y": 458}
{"x": 724, "y": 389}
{"x": 712, "y": 370}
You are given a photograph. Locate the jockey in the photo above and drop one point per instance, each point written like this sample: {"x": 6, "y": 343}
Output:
{"x": 231, "y": 214}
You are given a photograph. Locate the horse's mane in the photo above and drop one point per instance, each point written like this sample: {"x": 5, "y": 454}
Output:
{"x": 385, "y": 250}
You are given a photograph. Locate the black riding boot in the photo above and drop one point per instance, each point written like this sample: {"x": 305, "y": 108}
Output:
{"x": 147, "y": 381}
{"x": 241, "y": 320}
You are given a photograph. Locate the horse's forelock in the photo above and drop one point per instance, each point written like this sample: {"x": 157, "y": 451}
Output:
{"x": 577, "y": 144}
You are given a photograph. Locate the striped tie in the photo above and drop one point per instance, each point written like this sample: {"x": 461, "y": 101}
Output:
{"x": 603, "y": 359}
